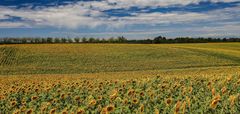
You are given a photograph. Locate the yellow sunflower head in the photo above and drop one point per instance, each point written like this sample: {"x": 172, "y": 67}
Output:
{"x": 110, "y": 108}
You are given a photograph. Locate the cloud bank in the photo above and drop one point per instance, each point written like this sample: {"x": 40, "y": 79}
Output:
{"x": 92, "y": 14}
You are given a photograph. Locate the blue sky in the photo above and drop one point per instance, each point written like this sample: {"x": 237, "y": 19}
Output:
{"x": 135, "y": 19}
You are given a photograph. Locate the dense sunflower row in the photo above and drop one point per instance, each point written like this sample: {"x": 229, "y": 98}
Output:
{"x": 159, "y": 95}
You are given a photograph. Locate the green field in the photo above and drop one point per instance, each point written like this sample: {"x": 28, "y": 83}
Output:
{"x": 94, "y": 58}
{"x": 120, "y": 78}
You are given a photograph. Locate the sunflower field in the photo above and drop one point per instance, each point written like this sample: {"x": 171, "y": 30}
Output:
{"x": 120, "y": 78}
{"x": 156, "y": 95}
{"x": 20, "y": 59}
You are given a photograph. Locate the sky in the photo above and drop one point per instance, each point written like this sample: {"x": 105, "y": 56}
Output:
{"x": 134, "y": 19}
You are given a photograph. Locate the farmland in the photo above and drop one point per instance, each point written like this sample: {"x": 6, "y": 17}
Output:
{"x": 120, "y": 78}
{"x": 93, "y": 58}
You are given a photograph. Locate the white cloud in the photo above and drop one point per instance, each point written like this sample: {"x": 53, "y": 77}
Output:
{"x": 144, "y": 3}
{"x": 13, "y": 25}
{"x": 3, "y": 17}
{"x": 88, "y": 14}
{"x": 125, "y": 4}
{"x": 155, "y": 3}
{"x": 73, "y": 16}
{"x": 70, "y": 16}
{"x": 164, "y": 18}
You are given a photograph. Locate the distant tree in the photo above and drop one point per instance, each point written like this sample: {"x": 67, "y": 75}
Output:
{"x": 224, "y": 39}
{"x": 111, "y": 40}
{"x": 84, "y": 40}
{"x": 70, "y": 40}
{"x": 103, "y": 40}
{"x": 49, "y": 40}
{"x": 159, "y": 39}
{"x": 92, "y": 40}
{"x": 97, "y": 40}
{"x": 37, "y": 40}
{"x": 24, "y": 40}
{"x": 11, "y": 40}
{"x": 57, "y": 40}
{"x": 148, "y": 41}
{"x": 121, "y": 39}
{"x": 63, "y": 40}
{"x": 32, "y": 40}
{"x": 209, "y": 39}
{"x": 44, "y": 40}
{"x": 77, "y": 40}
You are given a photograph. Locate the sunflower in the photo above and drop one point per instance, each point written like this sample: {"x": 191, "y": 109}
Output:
{"x": 16, "y": 111}
{"x": 104, "y": 111}
{"x": 229, "y": 78}
{"x": 156, "y": 111}
{"x": 2, "y": 97}
{"x": 113, "y": 96}
{"x": 13, "y": 87}
{"x": 30, "y": 111}
{"x": 124, "y": 85}
{"x": 34, "y": 98}
{"x": 99, "y": 108}
{"x": 23, "y": 108}
{"x": 120, "y": 90}
{"x": 23, "y": 102}
{"x": 36, "y": 90}
{"x": 177, "y": 108}
{"x": 80, "y": 111}
{"x": 214, "y": 103}
{"x": 13, "y": 99}
{"x": 62, "y": 96}
{"x": 213, "y": 92}
{"x": 141, "y": 108}
{"x": 188, "y": 101}
{"x": 183, "y": 91}
{"x": 135, "y": 101}
{"x": 43, "y": 109}
{"x": 69, "y": 93}
{"x": 77, "y": 98}
{"x": 142, "y": 94}
{"x": 64, "y": 111}
{"x": 118, "y": 99}
{"x": 169, "y": 101}
{"x": 52, "y": 111}
{"x": 163, "y": 86}
{"x": 58, "y": 90}
{"x": 184, "y": 107}
{"x": 110, "y": 108}
{"x": 238, "y": 82}
{"x": 224, "y": 90}
{"x": 175, "y": 85}
{"x": 47, "y": 89}
{"x": 13, "y": 103}
{"x": 125, "y": 101}
{"x": 92, "y": 102}
{"x": 99, "y": 98}
{"x": 190, "y": 89}
{"x": 131, "y": 92}
{"x": 209, "y": 84}
{"x": 218, "y": 97}
{"x": 55, "y": 100}
{"x": 232, "y": 99}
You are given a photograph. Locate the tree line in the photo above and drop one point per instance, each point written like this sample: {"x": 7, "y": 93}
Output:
{"x": 60, "y": 40}
{"x": 156, "y": 40}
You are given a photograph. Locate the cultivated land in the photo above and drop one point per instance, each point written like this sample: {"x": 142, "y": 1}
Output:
{"x": 120, "y": 78}
{"x": 94, "y": 58}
